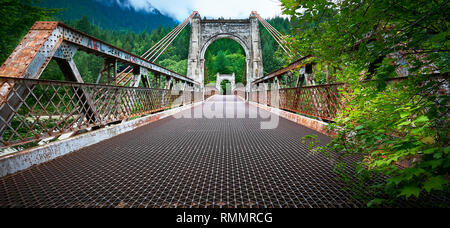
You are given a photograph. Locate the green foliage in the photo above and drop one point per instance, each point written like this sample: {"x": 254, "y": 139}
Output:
{"x": 17, "y": 17}
{"x": 226, "y": 45}
{"x": 271, "y": 51}
{"x": 108, "y": 14}
{"x": 222, "y": 64}
{"x": 399, "y": 130}
{"x": 238, "y": 66}
{"x": 225, "y": 56}
{"x": 177, "y": 66}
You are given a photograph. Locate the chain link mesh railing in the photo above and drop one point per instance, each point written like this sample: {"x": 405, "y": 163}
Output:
{"x": 40, "y": 109}
{"x": 322, "y": 101}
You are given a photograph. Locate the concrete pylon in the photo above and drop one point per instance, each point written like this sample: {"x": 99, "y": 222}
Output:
{"x": 244, "y": 31}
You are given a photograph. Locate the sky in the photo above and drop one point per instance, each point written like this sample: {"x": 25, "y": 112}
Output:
{"x": 181, "y": 9}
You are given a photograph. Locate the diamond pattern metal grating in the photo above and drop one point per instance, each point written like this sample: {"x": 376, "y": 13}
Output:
{"x": 194, "y": 163}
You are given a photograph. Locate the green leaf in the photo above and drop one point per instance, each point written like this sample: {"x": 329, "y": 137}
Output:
{"x": 405, "y": 123}
{"x": 438, "y": 156}
{"x": 430, "y": 151}
{"x": 447, "y": 163}
{"x": 360, "y": 127}
{"x": 447, "y": 150}
{"x": 404, "y": 114}
{"x": 436, "y": 183}
{"x": 396, "y": 180}
{"x": 421, "y": 119}
{"x": 417, "y": 131}
{"x": 408, "y": 191}
{"x": 433, "y": 163}
{"x": 375, "y": 202}
{"x": 428, "y": 140}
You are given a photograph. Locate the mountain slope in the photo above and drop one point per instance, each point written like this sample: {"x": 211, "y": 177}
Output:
{"x": 108, "y": 15}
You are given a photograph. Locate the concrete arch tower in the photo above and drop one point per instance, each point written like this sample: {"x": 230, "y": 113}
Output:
{"x": 205, "y": 32}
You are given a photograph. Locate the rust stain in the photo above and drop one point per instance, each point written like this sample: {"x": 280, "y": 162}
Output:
{"x": 20, "y": 59}
{"x": 45, "y": 25}
{"x": 121, "y": 205}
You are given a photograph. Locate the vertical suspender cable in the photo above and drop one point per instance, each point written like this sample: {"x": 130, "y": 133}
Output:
{"x": 152, "y": 48}
{"x": 276, "y": 35}
{"x": 174, "y": 32}
{"x": 163, "y": 47}
{"x": 158, "y": 46}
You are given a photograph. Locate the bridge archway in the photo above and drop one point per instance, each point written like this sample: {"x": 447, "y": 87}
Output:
{"x": 224, "y": 36}
{"x": 231, "y": 78}
{"x": 205, "y": 32}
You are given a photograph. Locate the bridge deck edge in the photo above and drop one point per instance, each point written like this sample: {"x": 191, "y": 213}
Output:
{"x": 316, "y": 125}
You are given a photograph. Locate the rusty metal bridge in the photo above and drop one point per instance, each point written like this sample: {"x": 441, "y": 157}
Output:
{"x": 145, "y": 136}
{"x": 217, "y": 162}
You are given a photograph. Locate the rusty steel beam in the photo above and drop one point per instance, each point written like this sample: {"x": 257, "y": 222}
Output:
{"x": 92, "y": 44}
{"x": 53, "y": 40}
{"x": 28, "y": 60}
{"x": 282, "y": 71}
{"x": 43, "y": 40}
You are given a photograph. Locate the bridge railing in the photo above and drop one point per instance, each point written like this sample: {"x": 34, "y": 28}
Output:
{"x": 43, "y": 110}
{"x": 240, "y": 93}
{"x": 210, "y": 93}
{"x": 323, "y": 101}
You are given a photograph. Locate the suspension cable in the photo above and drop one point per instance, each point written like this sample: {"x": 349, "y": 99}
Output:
{"x": 279, "y": 35}
{"x": 162, "y": 44}
{"x": 278, "y": 40}
{"x": 145, "y": 55}
{"x": 157, "y": 48}
{"x": 273, "y": 29}
{"x": 160, "y": 50}
{"x": 276, "y": 35}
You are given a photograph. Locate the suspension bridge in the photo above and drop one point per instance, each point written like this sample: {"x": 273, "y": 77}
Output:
{"x": 145, "y": 136}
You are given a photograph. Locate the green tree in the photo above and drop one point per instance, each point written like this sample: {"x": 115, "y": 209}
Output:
{"x": 17, "y": 18}
{"x": 176, "y": 66}
{"x": 238, "y": 65}
{"x": 385, "y": 123}
{"x": 271, "y": 51}
{"x": 223, "y": 87}
{"x": 222, "y": 63}
{"x": 84, "y": 25}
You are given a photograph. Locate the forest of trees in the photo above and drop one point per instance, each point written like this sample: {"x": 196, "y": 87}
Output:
{"x": 109, "y": 14}
{"x": 17, "y": 18}
{"x": 223, "y": 56}
{"x": 365, "y": 44}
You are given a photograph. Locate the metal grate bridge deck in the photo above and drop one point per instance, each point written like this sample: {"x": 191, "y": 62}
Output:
{"x": 184, "y": 163}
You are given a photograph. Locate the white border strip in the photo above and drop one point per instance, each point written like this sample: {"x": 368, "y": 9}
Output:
{"x": 310, "y": 123}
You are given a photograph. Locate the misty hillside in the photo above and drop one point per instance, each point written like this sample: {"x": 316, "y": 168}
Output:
{"x": 108, "y": 14}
